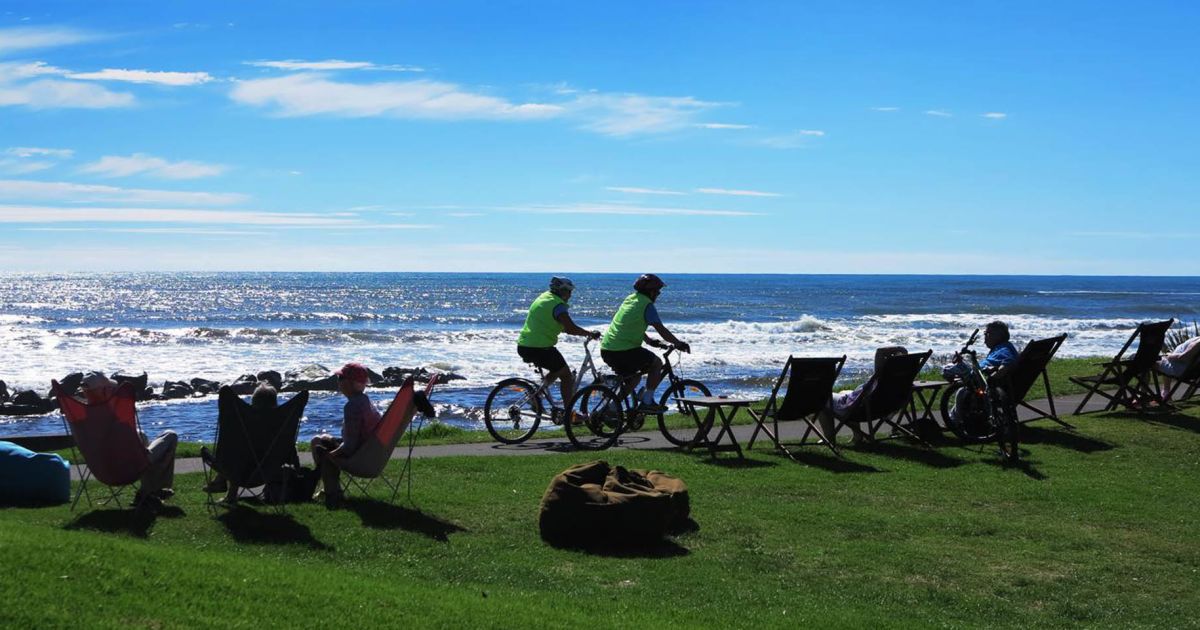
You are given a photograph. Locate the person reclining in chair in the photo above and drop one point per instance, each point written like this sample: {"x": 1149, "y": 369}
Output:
{"x": 842, "y": 401}
{"x": 1001, "y": 354}
{"x": 159, "y": 477}
{"x": 359, "y": 419}
{"x": 264, "y": 398}
{"x": 1177, "y": 363}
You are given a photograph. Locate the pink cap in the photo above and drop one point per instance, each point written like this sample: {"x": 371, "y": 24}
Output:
{"x": 355, "y": 372}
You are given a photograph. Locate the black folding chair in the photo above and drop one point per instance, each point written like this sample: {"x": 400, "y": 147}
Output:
{"x": 1023, "y": 374}
{"x": 253, "y": 445}
{"x": 809, "y": 389}
{"x": 1134, "y": 378}
{"x": 886, "y": 396}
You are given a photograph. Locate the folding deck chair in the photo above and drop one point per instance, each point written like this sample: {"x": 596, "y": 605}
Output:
{"x": 252, "y": 444}
{"x": 809, "y": 390}
{"x": 109, "y": 438}
{"x": 1021, "y": 376}
{"x": 1134, "y": 376}
{"x": 887, "y": 395}
{"x": 369, "y": 462}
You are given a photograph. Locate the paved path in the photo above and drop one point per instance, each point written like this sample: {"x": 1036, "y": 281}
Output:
{"x": 642, "y": 440}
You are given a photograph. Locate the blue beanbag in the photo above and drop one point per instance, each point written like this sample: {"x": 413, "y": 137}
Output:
{"x": 28, "y": 477}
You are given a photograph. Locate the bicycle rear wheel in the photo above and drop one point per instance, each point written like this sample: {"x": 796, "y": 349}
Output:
{"x": 973, "y": 423}
{"x": 681, "y": 425}
{"x": 513, "y": 411}
{"x": 594, "y": 419}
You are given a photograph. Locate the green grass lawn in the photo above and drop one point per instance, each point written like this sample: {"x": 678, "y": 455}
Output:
{"x": 1100, "y": 528}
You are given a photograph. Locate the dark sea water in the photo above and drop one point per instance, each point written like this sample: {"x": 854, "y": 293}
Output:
{"x": 218, "y": 326}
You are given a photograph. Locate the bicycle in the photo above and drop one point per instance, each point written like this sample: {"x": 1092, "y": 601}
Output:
{"x": 607, "y": 408}
{"x": 519, "y": 404}
{"x": 978, "y": 408}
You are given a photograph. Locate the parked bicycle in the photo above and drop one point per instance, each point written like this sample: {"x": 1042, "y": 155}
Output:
{"x": 607, "y": 408}
{"x": 517, "y": 406}
{"x": 978, "y": 408}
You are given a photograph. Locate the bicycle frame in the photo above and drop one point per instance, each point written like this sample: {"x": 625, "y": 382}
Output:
{"x": 588, "y": 365}
{"x": 625, "y": 393}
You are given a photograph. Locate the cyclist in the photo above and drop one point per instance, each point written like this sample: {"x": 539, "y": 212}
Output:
{"x": 621, "y": 348}
{"x": 546, "y": 319}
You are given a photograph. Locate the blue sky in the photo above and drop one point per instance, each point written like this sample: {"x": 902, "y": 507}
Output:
{"x": 862, "y": 137}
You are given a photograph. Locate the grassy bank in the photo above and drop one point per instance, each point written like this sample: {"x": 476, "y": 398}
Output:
{"x": 1099, "y": 528}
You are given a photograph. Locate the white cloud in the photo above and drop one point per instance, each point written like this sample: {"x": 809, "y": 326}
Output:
{"x": 25, "y": 84}
{"x": 52, "y": 214}
{"x": 26, "y": 152}
{"x": 314, "y": 94}
{"x": 622, "y": 210}
{"x": 187, "y": 231}
{"x": 885, "y": 109}
{"x": 634, "y": 190}
{"x": 736, "y": 193}
{"x": 465, "y": 215}
{"x": 330, "y": 65}
{"x": 144, "y": 76}
{"x": 143, "y": 164}
{"x": 26, "y": 190}
{"x": 31, "y": 38}
{"x": 22, "y": 167}
{"x": 723, "y": 126}
{"x": 629, "y": 114}
{"x": 793, "y": 140}
{"x": 939, "y": 113}
{"x": 995, "y": 115}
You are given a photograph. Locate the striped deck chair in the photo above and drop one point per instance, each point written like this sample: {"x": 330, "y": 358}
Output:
{"x": 369, "y": 462}
{"x": 1134, "y": 376}
{"x": 253, "y": 445}
{"x": 109, "y": 438}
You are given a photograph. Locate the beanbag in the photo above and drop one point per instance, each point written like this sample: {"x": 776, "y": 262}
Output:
{"x": 28, "y": 477}
{"x": 594, "y": 503}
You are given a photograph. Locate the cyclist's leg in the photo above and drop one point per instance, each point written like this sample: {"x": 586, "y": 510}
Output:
{"x": 552, "y": 361}
{"x": 628, "y": 365}
{"x": 654, "y": 372}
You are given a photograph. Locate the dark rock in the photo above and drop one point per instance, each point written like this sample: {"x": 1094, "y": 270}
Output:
{"x": 313, "y": 377}
{"x": 204, "y": 386}
{"x": 28, "y": 402}
{"x": 270, "y": 376}
{"x": 176, "y": 389}
{"x": 4, "y": 396}
{"x": 70, "y": 383}
{"x": 374, "y": 378}
{"x": 27, "y": 397}
{"x": 139, "y": 380}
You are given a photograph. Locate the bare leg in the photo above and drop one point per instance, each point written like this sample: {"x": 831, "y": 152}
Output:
{"x": 654, "y": 374}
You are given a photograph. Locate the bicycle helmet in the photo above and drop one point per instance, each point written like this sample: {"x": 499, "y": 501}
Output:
{"x": 648, "y": 282}
{"x": 558, "y": 285}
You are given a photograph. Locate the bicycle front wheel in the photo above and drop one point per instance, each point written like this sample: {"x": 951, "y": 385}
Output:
{"x": 512, "y": 412}
{"x": 595, "y": 418}
{"x": 680, "y": 424}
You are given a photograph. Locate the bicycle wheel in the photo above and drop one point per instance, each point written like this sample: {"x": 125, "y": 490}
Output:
{"x": 1007, "y": 425}
{"x": 512, "y": 411}
{"x": 683, "y": 426}
{"x": 601, "y": 418}
{"x": 973, "y": 423}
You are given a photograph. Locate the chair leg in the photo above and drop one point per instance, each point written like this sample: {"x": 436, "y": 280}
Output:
{"x": 84, "y": 476}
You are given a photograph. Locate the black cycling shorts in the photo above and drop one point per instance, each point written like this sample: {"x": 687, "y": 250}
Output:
{"x": 549, "y": 359}
{"x": 628, "y": 362}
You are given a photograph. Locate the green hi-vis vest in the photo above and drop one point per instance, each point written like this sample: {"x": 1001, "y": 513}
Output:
{"x": 628, "y": 326}
{"x": 541, "y": 329}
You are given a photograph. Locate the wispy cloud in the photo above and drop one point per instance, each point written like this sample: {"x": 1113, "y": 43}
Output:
{"x": 623, "y": 210}
{"x": 995, "y": 115}
{"x": 793, "y": 140}
{"x": 723, "y": 126}
{"x": 330, "y": 65}
{"x": 636, "y": 190}
{"x": 12, "y": 166}
{"x": 131, "y": 230}
{"x": 28, "y": 152}
{"x": 33, "y": 38}
{"x": 1123, "y": 234}
{"x": 27, "y": 84}
{"x": 144, "y": 76}
{"x": 56, "y": 214}
{"x": 736, "y": 193}
{"x": 885, "y": 109}
{"x": 315, "y": 94}
{"x": 27, "y": 190}
{"x": 939, "y": 113}
{"x": 629, "y": 114}
{"x": 143, "y": 164}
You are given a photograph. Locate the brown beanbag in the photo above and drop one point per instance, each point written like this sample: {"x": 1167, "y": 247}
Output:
{"x": 594, "y": 503}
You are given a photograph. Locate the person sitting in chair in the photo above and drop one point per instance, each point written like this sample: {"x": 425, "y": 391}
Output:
{"x": 1001, "y": 355}
{"x": 264, "y": 398}
{"x": 1176, "y": 363}
{"x": 842, "y": 401}
{"x": 359, "y": 419}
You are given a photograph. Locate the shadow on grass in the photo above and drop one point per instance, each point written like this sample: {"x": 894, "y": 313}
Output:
{"x": 664, "y": 548}
{"x": 901, "y": 450}
{"x": 731, "y": 461}
{"x": 1173, "y": 419}
{"x": 1024, "y": 465}
{"x": 827, "y": 461}
{"x": 132, "y": 522}
{"x": 1063, "y": 438}
{"x": 380, "y": 515}
{"x": 251, "y": 526}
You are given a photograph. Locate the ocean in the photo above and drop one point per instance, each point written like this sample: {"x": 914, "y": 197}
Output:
{"x": 741, "y": 327}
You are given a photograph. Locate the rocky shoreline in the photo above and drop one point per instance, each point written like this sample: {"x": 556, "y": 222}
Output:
{"x": 314, "y": 377}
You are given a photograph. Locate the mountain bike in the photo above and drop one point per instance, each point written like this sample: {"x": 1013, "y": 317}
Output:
{"x": 608, "y": 407}
{"x": 978, "y": 408}
{"x": 519, "y": 404}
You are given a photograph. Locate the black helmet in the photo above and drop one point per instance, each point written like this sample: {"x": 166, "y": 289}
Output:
{"x": 648, "y": 282}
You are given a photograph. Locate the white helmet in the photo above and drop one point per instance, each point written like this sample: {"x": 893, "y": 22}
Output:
{"x": 558, "y": 285}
